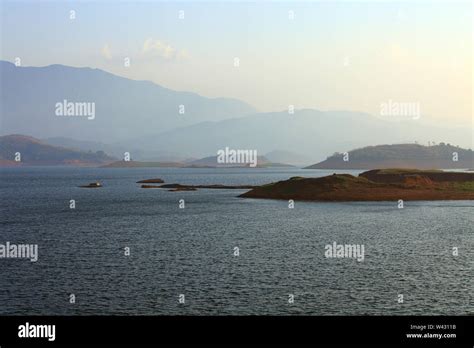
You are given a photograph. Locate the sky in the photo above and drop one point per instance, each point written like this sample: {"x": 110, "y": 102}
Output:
{"x": 326, "y": 55}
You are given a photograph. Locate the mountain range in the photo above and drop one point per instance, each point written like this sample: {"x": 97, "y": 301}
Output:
{"x": 310, "y": 133}
{"x": 142, "y": 118}
{"x": 33, "y": 151}
{"x": 124, "y": 108}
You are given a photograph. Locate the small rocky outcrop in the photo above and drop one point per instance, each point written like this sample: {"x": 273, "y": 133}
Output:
{"x": 151, "y": 181}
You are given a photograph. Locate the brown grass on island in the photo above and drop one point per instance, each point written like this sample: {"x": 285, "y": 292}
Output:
{"x": 375, "y": 185}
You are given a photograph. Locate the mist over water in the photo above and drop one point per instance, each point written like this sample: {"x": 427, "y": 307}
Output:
{"x": 190, "y": 251}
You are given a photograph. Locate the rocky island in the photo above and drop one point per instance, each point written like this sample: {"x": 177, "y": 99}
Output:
{"x": 151, "y": 181}
{"x": 179, "y": 187}
{"x": 375, "y": 185}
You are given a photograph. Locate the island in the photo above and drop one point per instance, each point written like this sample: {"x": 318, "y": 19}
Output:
{"x": 180, "y": 187}
{"x": 374, "y": 185}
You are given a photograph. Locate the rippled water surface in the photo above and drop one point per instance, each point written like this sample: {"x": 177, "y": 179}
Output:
{"x": 190, "y": 251}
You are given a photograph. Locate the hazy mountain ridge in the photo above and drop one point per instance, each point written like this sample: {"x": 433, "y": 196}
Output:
{"x": 310, "y": 133}
{"x": 291, "y": 158}
{"x": 124, "y": 108}
{"x": 118, "y": 150}
{"x": 212, "y": 161}
{"x": 142, "y": 118}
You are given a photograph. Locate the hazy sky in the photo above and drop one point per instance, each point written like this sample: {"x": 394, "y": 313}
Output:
{"x": 331, "y": 56}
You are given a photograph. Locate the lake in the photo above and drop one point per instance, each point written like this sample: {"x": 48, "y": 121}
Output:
{"x": 191, "y": 251}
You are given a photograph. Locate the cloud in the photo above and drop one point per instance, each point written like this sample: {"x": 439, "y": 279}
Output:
{"x": 183, "y": 55}
{"x": 105, "y": 51}
{"x": 162, "y": 49}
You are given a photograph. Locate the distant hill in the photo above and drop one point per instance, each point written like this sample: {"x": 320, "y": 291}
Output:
{"x": 138, "y": 164}
{"x": 124, "y": 108}
{"x": 36, "y": 152}
{"x": 292, "y": 158}
{"x": 211, "y": 162}
{"x": 401, "y": 156}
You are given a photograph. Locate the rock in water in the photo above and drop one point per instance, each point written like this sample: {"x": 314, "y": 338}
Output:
{"x": 92, "y": 185}
{"x": 151, "y": 181}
